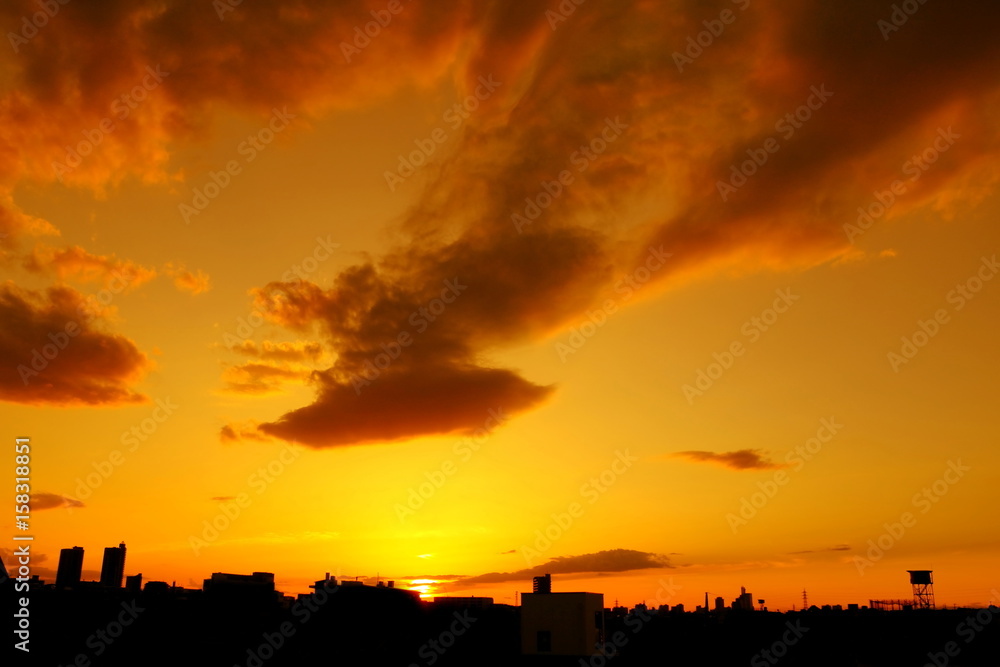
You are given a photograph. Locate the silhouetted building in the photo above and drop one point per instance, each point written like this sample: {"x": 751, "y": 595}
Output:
{"x": 720, "y": 603}
{"x": 569, "y": 624}
{"x": 463, "y": 602}
{"x": 158, "y": 588}
{"x": 113, "y": 567}
{"x": 134, "y": 583}
{"x": 744, "y": 602}
{"x": 253, "y": 588}
{"x": 542, "y": 584}
{"x": 70, "y": 567}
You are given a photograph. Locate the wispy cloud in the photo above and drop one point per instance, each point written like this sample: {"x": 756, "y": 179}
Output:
{"x": 740, "y": 459}
{"x": 612, "y": 560}
{"x": 47, "y": 501}
{"x": 838, "y": 547}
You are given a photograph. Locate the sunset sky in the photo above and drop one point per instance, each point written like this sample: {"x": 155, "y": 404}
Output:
{"x": 638, "y": 293}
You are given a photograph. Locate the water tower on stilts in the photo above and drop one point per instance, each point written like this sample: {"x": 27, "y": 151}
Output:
{"x": 923, "y": 588}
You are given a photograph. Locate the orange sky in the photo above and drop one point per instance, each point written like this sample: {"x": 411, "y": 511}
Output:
{"x": 686, "y": 292}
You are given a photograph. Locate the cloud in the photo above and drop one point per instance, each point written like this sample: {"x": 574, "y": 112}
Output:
{"x": 512, "y": 551}
{"x": 652, "y": 182}
{"x": 184, "y": 280}
{"x": 612, "y": 560}
{"x": 161, "y": 70}
{"x": 616, "y": 115}
{"x": 741, "y": 459}
{"x": 47, "y": 501}
{"x": 838, "y": 547}
{"x": 51, "y": 352}
{"x": 286, "y": 351}
{"x": 15, "y": 224}
{"x": 260, "y": 378}
{"x": 245, "y": 431}
{"x": 76, "y": 264}
{"x": 409, "y": 402}
{"x": 222, "y": 498}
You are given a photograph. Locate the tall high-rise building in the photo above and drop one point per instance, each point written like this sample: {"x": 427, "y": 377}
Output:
{"x": 70, "y": 567}
{"x": 744, "y": 601}
{"x": 113, "y": 568}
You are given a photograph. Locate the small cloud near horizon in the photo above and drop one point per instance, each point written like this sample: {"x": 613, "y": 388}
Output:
{"x": 612, "y": 560}
{"x": 48, "y": 501}
{"x": 740, "y": 459}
